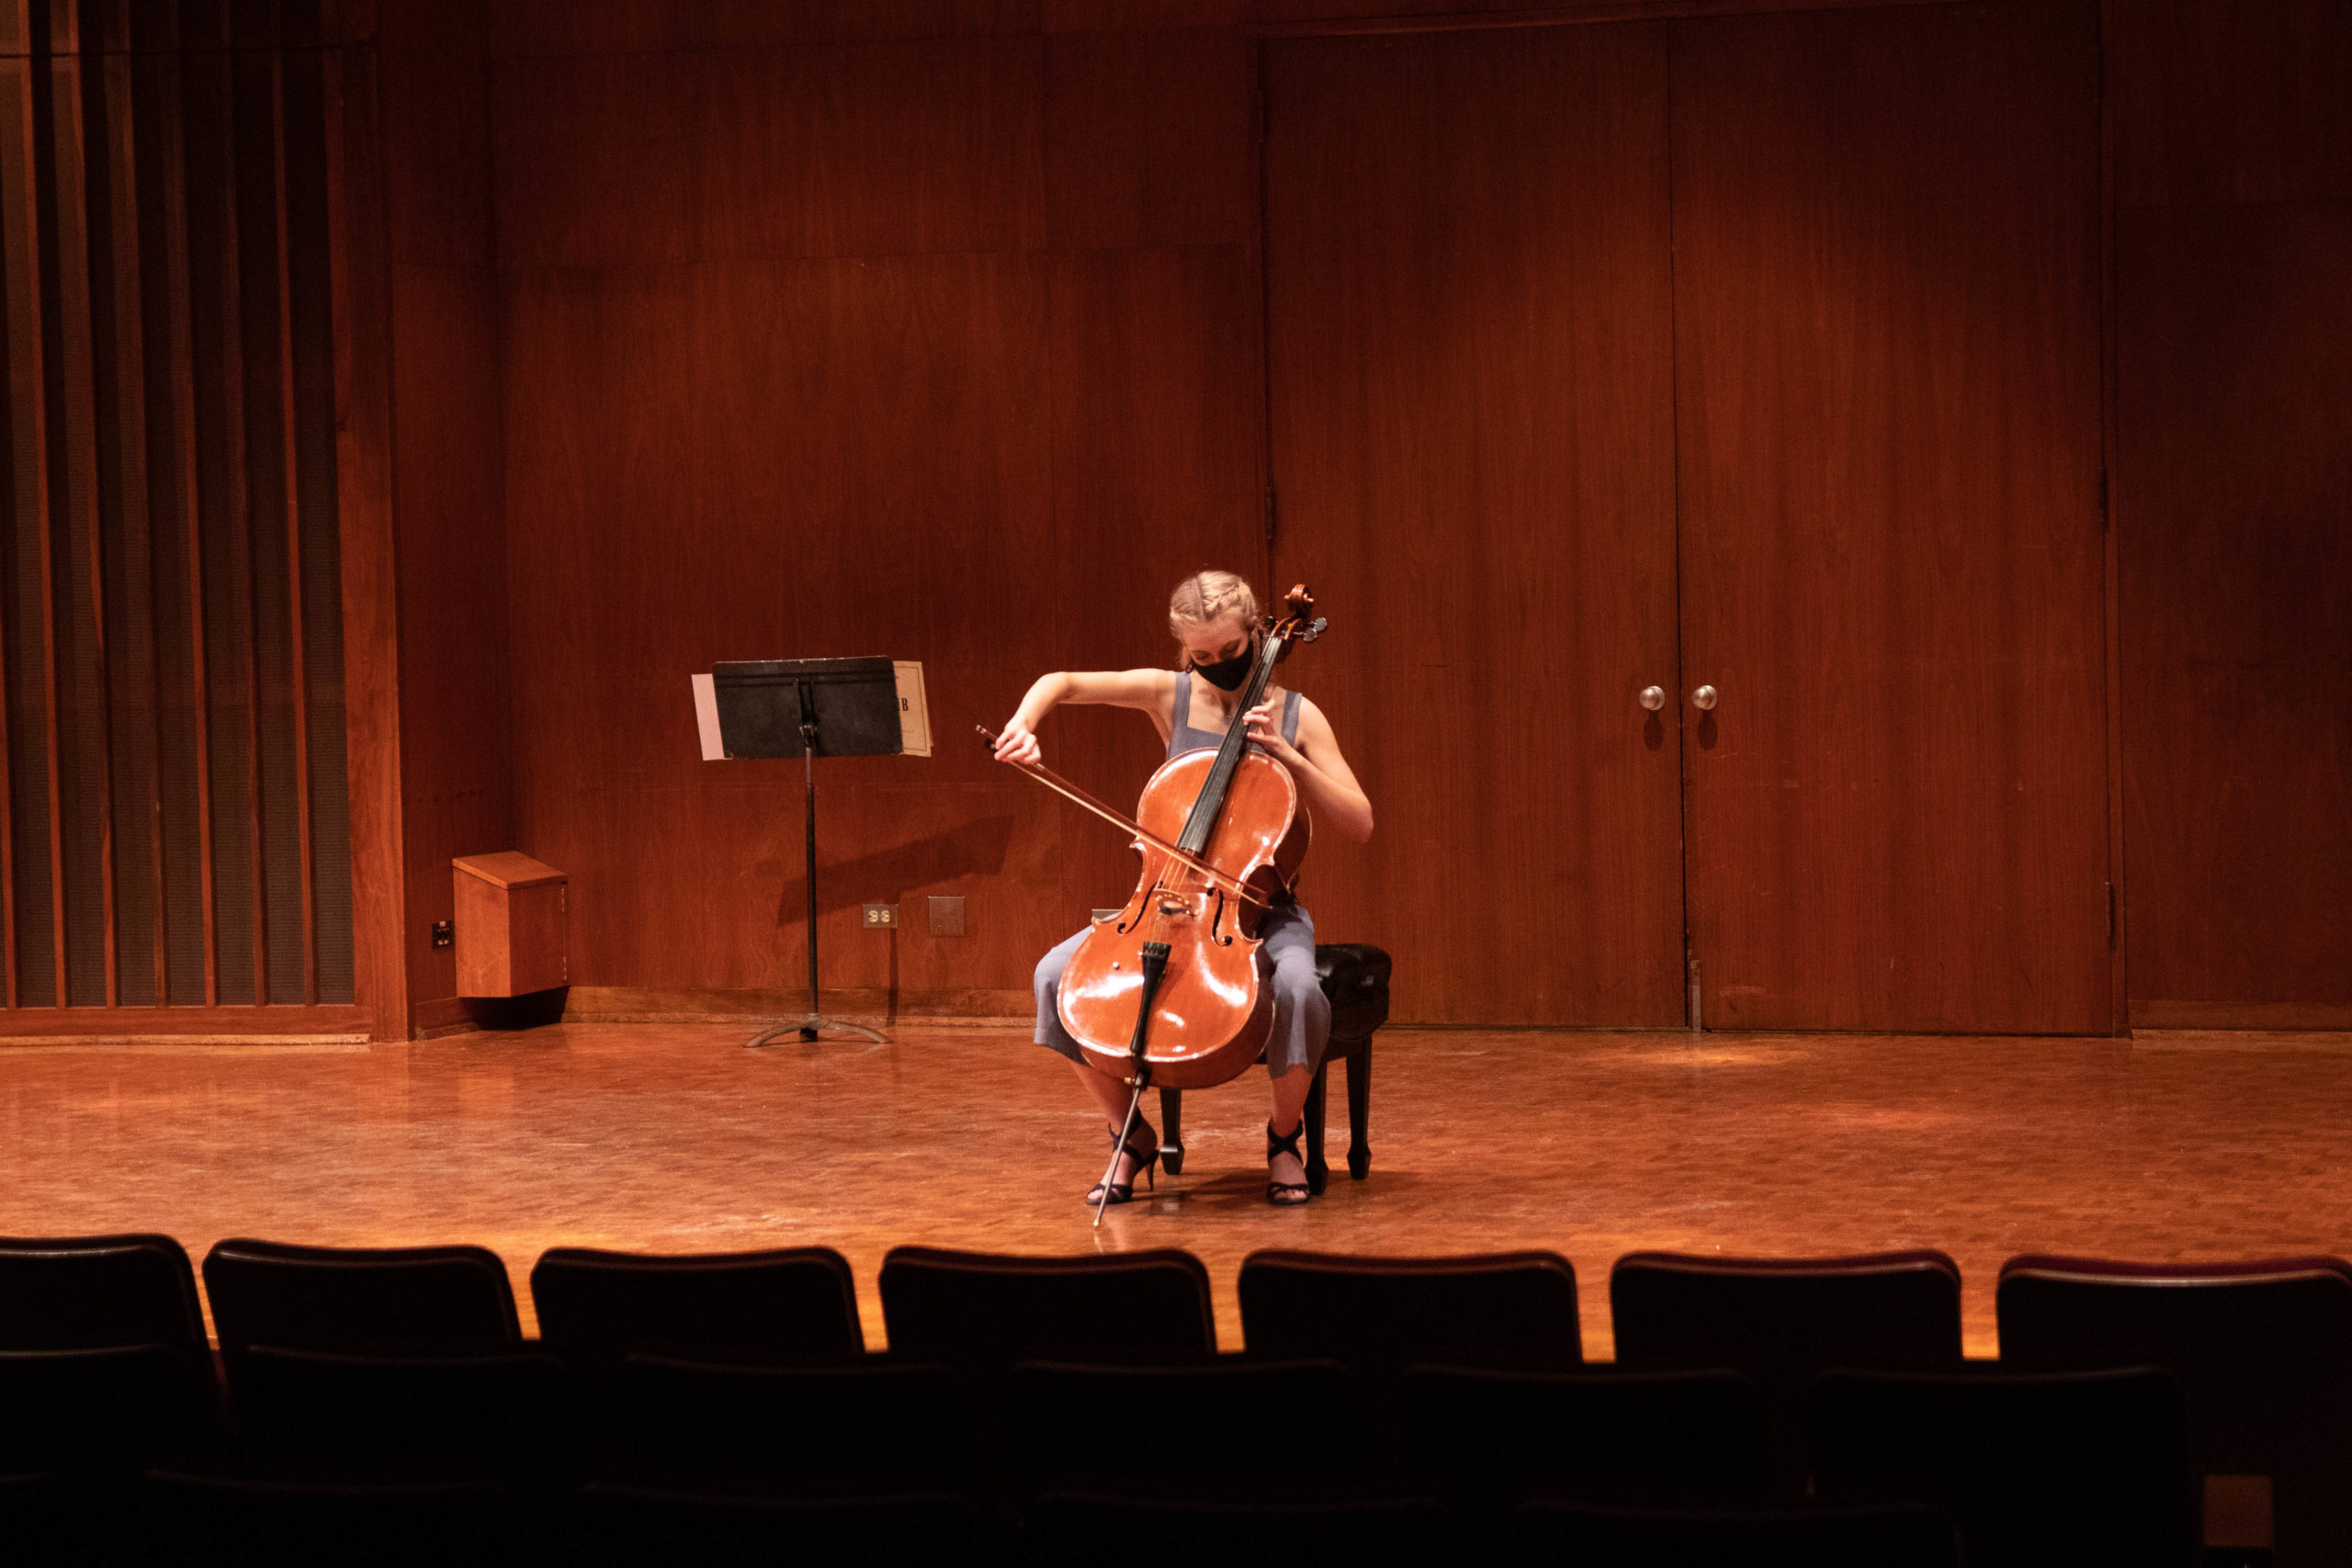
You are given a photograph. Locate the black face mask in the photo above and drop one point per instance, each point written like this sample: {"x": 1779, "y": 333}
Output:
{"x": 1226, "y": 674}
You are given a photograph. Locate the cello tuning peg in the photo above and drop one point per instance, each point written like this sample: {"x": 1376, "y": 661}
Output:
{"x": 1313, "y": 630}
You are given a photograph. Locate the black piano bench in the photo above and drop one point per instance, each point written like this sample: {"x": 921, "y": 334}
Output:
{"x": 1355, "y": 977}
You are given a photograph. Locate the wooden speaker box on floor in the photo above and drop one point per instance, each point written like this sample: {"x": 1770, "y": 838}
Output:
{"x": 510, "y": 926}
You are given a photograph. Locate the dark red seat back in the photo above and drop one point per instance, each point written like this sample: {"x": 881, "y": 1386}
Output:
{"x": 1784, "y": 1321}
{"x": 92, "y": 1292}
{"x": 980, "y": 1312}
{"x": 423, "y": 1301}
{"x": 790, "y": 1305}
{"x": 2262, "y": 1350}
{"x": 1381, "y": 1316}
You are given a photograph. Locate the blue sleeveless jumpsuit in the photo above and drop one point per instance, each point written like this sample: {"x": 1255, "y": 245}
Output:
{"x": 1286, "y": 954}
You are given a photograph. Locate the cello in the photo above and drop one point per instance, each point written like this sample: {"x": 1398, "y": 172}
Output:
{"x": 1166, "y": 991}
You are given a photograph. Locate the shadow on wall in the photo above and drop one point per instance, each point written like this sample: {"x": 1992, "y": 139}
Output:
{"x": 975, "y": 849}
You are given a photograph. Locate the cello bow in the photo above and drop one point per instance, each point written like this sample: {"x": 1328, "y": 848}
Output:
{"x": 1062, "y": 787}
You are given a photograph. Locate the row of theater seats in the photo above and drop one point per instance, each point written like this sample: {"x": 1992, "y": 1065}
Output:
{"x": 723, "y": 1408}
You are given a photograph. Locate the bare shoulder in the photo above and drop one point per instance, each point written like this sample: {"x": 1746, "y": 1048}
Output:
{"x": 1150, "y": 689}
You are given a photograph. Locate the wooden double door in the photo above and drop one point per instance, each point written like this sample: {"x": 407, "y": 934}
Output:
{"x": 1755, "y": 353}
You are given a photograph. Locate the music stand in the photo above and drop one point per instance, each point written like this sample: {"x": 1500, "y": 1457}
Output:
{"x": 808, "y": 708}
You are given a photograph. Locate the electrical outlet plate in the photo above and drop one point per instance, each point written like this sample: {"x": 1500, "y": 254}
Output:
{"x": 444, "y": 933}
{"x": 881, "y": 917}
{"x": 947, "y": 914}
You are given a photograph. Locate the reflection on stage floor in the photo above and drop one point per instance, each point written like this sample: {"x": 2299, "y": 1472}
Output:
{"x": 673, "y": 1138}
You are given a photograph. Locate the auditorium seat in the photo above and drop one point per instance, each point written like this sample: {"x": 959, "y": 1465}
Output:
{"x": 421, "y": 1301}
{"x": 2263, "y": 1351}
{"x": 1079, "y": 1528}
{"x": 980, "y": 1312}
{"x": 1218, "y": 1430}
{"x": 119, "y": 1410}
{"x": 1380, "y": 1315}
{"x": 1784, "y": 1321}
{"x": 877, "y": 1427}
{"x": 1354, "y": 980}
{"x": 628, "y": 1525}
{"x": 792, "y": 1305}
{"x": 105, "y": 1371}
{"x": 2087, "y": 1470}
{"x": 89, "y": 1292}
{"x": 1484, "y": 1440}
{"x": 1891, "y": 1536}
{"x": 253, "y": 1522}
{"x": 517, "y": 1418}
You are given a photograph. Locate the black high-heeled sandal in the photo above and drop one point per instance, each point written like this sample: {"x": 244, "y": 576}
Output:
{"x": 1146, "y": 1159}
{"x": 1286, "y": 1194}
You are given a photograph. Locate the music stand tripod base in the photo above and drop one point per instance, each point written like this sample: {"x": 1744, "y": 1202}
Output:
{"x": 808, "y": 1028}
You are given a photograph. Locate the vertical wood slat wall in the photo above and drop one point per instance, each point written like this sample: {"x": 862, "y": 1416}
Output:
{"x": 174, "y": 820}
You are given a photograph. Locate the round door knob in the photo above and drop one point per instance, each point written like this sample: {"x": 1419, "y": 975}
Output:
{"x": 1704, "y": 698}
{"x": 1653, "y": 697}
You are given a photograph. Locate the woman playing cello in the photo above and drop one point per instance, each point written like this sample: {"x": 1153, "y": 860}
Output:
{"x": 1215, "y": 618}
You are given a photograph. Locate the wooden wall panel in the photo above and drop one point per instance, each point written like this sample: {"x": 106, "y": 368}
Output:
{"x": 793, "y": 295}
{"x": 1147, "y": 139}
{"x": 2222, "y": 102}
{"x": 781, "y": 334}
{"x": 458, "y": 28}
{"x": 1156, "y": 383}
{"x": 2232, "y": 156}
{"x": 774, "y": 459}
{"x": 1155, "y": 457}
{"x": 2233, "y": 492}
{"x": 854, "y": 150}
{"x": 639, "y": 27}
{"x": 456, "y": 751}
{"x": 436, "y": 109}
{"x": 1887, "y": 320}
{"x": 1142, "y": 16}
{"x": 1471, "y": 388}
{"x": 370, "y": 555}
{"x": 596, "y": 160}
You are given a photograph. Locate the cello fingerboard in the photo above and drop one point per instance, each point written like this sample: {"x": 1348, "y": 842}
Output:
{"x": 1210, "y": 803}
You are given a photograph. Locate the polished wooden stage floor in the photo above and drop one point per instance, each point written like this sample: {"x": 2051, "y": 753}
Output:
{"x": 673, "y": 1138}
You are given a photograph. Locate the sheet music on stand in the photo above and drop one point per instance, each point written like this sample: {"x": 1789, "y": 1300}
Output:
{"x": 914, "y": 713}
{"x": 808, "y": 709}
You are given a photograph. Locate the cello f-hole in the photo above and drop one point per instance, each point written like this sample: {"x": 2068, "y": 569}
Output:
{"x": 1141, "y": 904}
{"x": 1217, "y": 933}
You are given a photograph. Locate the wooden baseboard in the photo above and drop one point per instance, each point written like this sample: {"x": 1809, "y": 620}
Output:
{"x": 634, "y": 1004}
{"x": 2162, "y": 1014}
{"x": 437, "y": 1018}
{"x": 301, "y": 1025}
